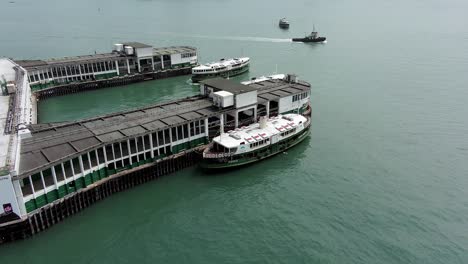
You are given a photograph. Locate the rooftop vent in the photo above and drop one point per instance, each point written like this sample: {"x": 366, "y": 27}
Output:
{"x": 291, "y": 78}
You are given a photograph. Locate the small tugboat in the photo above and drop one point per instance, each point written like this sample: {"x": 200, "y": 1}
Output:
{"x": 283, "y": 23}
{"x": 313, "y": 37}
{"x": 255, "y": 142}
{"x": 223, "y": 68}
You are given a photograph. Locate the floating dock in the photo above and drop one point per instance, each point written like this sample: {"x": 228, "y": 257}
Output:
{"x": 60, "y": 169}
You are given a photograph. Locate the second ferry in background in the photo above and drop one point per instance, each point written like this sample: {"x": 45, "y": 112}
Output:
{"x": 224, "y": 68}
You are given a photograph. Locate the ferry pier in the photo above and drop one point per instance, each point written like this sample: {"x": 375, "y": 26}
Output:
{"x": 54, "y": 170}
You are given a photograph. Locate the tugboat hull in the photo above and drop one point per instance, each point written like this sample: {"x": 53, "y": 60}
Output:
{"x": 307, "y": 40}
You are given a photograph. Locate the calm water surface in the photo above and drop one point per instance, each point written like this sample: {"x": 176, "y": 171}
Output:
{"x": 382, "y": 178}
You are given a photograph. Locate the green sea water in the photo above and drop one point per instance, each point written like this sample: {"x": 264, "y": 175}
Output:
{"x": 383, "y": 177}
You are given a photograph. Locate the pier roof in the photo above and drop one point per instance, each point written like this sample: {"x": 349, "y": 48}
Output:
{"x": 274, "y": 89}
{"x": 36, "y": 64}
{"x": 173, "y": 50}
{"x": 137, "y": 45}
{"x": 54, "y": 143}
{"x": 221, "y": 84}
{"x": 51, "y": 143}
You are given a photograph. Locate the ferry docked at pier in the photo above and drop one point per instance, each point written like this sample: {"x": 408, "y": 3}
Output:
{"x": 224, "y": 68}
{"x": 255, "y": 142}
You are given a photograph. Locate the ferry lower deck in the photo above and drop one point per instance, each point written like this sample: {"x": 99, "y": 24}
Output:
{"x": 63, "y": 168}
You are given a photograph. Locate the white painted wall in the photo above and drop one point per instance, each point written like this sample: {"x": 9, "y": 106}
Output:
{"x": 144, "y": 52}
{"x": 246, "y": 99}
{"x": 177, "y": 59}
{"x": 7, "y": 194}
{"x": 286, "y": 104}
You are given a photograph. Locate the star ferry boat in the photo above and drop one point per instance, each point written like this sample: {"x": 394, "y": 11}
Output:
{"x": 255, "y": 142}
{"x": 224, "y": 68}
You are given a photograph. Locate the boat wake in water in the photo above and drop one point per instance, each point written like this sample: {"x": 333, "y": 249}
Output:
{"x": 257, "y": 39}
{"x": 235, "y": 38}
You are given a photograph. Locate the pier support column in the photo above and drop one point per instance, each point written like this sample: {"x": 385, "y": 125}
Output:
{"x": 144, "y": 149}
{"x": 63, "y": 172}
{"x": 80, "y": 158}
{"x": 89, "y": 161}
{"x": 267, "y": 108}
{"x": 236, "y": 119}
{"x": 54, "y": 176}
{"x": 105, "y": 155}
{"x": 32, "y": 187}
{"x": 162, "y": 62}
{"x": 79, "y": 69}
{"x": 151, "y": 143}
{"x": 73, "y": 169}
{"x": 117, "y": 67}
{"x": 128, "y": 66}
{"x": 43, "y": 182}
{"x": 255, "y": 113}
{"x": 206, "y": 128}
{"x": 113, "y": 155}
{"x": 122, "y": 155}
{"x": 221, "y": 123}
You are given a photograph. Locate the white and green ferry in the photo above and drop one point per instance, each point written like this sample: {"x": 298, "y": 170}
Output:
{"x": 255, "y": 142}
{"x": 224, "y": 68}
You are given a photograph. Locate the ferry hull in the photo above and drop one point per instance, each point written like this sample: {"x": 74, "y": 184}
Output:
{"x": 209, "y": 165}
{"x": 199, "y": 77}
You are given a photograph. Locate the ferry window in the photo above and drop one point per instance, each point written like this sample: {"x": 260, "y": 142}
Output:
{"x": 117, "y": 150}
{"x": 146, "y": 142}
{"x": 179, "y": 133}
{"x": 134, "y": 159}
{"x": 168, "y": 150}
{"x": 125, "y": 150}
{"x": 154, "y": 138}
{"x": 76, "y": 166}
{"x": 192, "y": 129}
{"x": 139, "y": 141}
{"x": 126, "y": 162}
{"x": 109, "y": 154}
{"x": 202, "y": 126}
{"x": 59, "y": 173}
{"x": 160, "y": 139}
{"x": 197, "y": 128}
{"x": 185, "y": 127}
{"x": 166, "y": 137}
{"x": 100, "y": 156}
{"x": 132, "y": 146}
{"x": 174, "y": 133}
{"x": 93, "y": 158}
{"x": 67, "y": 169}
